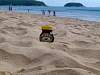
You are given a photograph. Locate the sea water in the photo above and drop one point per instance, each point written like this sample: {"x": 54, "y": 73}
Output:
{"x": 83, "y": 13}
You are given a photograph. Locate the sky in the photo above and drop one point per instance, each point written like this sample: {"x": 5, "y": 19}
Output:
{"x": 88, "y": 3}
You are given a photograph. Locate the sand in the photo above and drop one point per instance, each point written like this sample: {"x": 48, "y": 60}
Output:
{"x": 75, "y": 51}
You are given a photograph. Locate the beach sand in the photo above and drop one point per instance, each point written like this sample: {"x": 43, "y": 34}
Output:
{"x": 75, "y": 51}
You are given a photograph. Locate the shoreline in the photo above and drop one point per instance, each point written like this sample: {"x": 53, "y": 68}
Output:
{"x": 48, "y": 16}
{"x": 40, "y": 13}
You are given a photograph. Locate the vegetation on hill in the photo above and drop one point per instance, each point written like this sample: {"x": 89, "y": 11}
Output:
{"x": 72, "y": 4}
{"x": 22, "y": 2}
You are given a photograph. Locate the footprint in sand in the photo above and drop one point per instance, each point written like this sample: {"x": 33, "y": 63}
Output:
{"x": 3, "y": 31}
{"x": 20, "y": 31}
{"x": 63, "y": 71}
{"x": 2, "y": 40}
{"x": 82, "y": 43}
{"x": 5, "y": 73}
{"x": 15, "y": 30}
{"x": 22, "y": 43}
{"x": 16, "y": 60}
{"x": 25, "y": 24}
{"x": 2, "y": 19}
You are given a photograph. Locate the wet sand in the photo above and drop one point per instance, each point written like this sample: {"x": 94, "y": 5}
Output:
{"x": 75, "y": 51}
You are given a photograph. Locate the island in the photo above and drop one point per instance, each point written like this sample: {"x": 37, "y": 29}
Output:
{"x": 22, "y": 2}
{"x": 73, "y": 4}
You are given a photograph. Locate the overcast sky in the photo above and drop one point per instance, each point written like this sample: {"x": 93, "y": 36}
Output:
{"x": 89, "y": 3}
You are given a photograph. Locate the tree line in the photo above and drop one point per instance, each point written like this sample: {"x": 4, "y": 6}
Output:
{"x": 22, "y": 2}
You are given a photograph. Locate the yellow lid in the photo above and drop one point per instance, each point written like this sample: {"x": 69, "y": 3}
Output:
{"x": 47, "y": 27}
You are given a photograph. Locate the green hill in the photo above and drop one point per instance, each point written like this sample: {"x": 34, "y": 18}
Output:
{"x": 72, "y": 4}
{"x": 22, "y": 2}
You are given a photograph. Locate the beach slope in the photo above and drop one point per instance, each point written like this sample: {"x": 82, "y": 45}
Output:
{"x": 75, "y": 51}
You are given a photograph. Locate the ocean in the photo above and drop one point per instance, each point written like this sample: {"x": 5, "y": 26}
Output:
{"x": 83, "y": 13}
